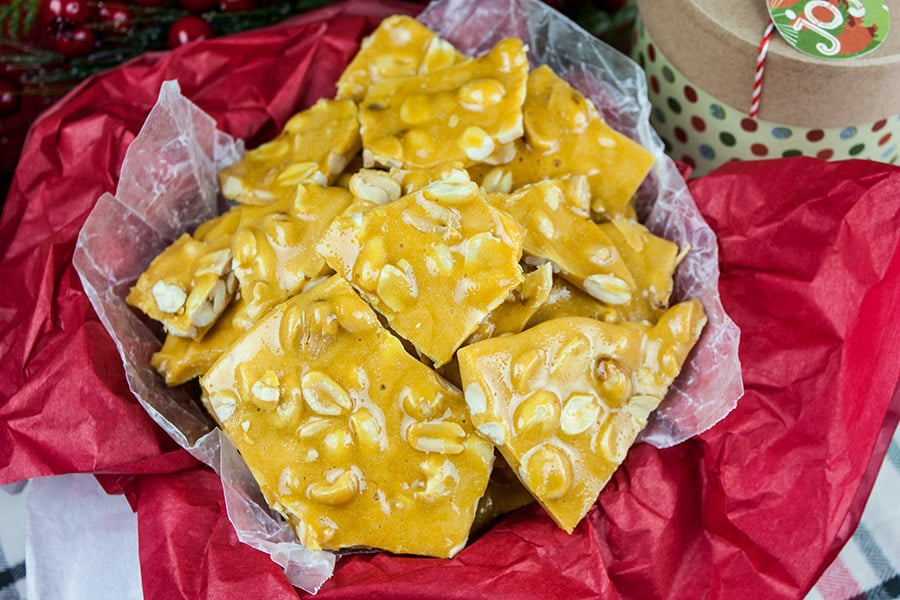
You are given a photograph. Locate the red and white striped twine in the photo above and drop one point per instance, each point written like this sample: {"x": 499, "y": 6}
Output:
{"x": 760, "y": 69}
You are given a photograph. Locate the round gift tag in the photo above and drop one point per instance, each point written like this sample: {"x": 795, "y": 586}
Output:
{"x": 833, "y": 29}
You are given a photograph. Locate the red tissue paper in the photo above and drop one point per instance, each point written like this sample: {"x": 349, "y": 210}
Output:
{"x": 755, "y": 507}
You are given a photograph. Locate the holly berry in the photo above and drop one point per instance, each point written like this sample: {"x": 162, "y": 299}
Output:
{"x": 10, "y": 96}
{"x": 198, "y": 6}
{"x": 73, "y": 42}
{"x": 188, "y": 29}
{"x": 77, "y": 12}
{"x": 115, "y": 17}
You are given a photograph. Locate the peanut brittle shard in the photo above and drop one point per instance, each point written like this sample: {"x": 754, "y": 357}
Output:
{"x": 399, "y": 47}
{"x": 346, "y": 434}
{"x": 434, "y": 262}
{"x": 564, "y": 134}
{"x": 565, "y": 400}
{"x": 314, "y": 147}
{"x": 465, "y": 113}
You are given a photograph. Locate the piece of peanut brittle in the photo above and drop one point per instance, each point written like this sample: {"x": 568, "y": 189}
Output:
{"x": 354, "y": 441}
{"x": 565, "y": 400}
{"x": 465, "y": 113}
{"x": 314, "y": 147}
{"x": 399, "y": 47}
{"x": 564, "y": 134}
{"x": 434, "y": 262}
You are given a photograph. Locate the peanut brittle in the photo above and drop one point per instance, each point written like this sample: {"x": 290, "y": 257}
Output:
{"x": 190, "y": 284}
{"x": 651, "y": 260}
{"x": 566, "y": 300}
{"x": 271, "y": 254}
{"x": 519, "y": 307}
{"x": 434, "y": 263}
{"x": 274, "y": 245}
{"x": 314, "y": 147}
{"x": 564, "y": 134}
{"x": 577, "y": 245}
{"x": 564, "y": 400}
{"x": 399, "y": 47}
{"x": 465, "y": 113}
{"x": 347, "y": 435}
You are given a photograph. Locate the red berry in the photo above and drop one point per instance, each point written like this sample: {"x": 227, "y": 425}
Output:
{"x": 10, "y": 96}
{"x": 78, "y": 12}
{"x": 73, "y": 43}
{"x": 115, "y": 17}
{"x": 236, "y": 5}
{"x": 189, "y": 29}
{"x": 198, "y": 6}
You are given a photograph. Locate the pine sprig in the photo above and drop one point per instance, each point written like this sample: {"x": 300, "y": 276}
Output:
{"x": 14, "y": 15}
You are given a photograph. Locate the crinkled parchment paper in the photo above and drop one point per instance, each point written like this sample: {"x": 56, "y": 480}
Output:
{"x": 168, "y": 186}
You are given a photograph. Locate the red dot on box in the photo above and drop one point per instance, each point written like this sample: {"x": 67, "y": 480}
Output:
{"x": 689, "y": 161}
{"x": 814, "y": 135}
{"x": 654, "y": 84}
{"x": 690, "y": 94}
{"x": 681, "y": 135}
{"x": 651, "y": 52}
{"x": 884, "y": 139}
{"x": 759, "y": 149}
{"x": 698, "y": 123}
{"x": 879, "y": 125}
{"x": 825, "y": 154}
{"x": 749, "y": 124}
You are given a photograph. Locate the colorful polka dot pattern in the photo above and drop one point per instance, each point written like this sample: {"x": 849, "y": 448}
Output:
{"x": 704, "y": 133}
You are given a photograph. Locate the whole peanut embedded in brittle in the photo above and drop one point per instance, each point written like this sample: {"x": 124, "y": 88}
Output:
{"x": 564, "y": 134}
{"x": 554, "y": 231}
{"x": 465, "y": 113}
{"x": 399, "y": 47}
{"x": 567, "y": 300}
{"x": 434, "y": 262}
{"x": 314, "y": 147}
{"x": 564, "y": 400}
{"x": 348, "y": 435}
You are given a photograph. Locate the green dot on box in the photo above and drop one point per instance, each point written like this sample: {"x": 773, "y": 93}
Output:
{"x": 727, "y": 138}
{"x": 857, "y": 149}
{"x": 674, "y": 105}
{"x": 791, "y": 153}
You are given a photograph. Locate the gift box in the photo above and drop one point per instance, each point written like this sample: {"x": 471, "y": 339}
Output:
{"x": 701, "y": 59}
{"x": 754, "y": 506}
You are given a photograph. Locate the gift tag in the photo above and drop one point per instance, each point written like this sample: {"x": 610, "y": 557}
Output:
{"x": 835, "y": 29}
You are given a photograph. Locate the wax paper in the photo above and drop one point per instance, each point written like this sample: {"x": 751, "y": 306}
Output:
{"x": 756, "y": 505}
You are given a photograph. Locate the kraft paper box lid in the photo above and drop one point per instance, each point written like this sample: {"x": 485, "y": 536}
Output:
{"x": 715, "y": 44}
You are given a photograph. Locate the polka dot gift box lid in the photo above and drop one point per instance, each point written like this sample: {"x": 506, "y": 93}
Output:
{"x": 701, "y": 58}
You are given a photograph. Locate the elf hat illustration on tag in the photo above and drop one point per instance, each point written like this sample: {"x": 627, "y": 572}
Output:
{"x": 830, "y": 87}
